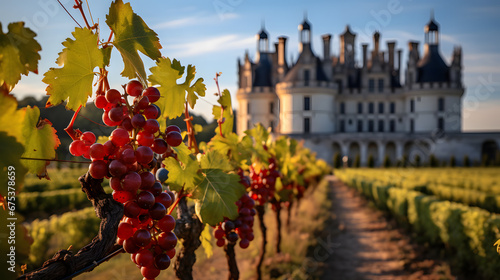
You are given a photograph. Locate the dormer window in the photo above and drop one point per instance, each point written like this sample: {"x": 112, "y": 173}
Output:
{"x": 307, "y": 77}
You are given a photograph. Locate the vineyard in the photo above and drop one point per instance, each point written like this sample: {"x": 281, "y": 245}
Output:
{"x": 451, "y": 207}
{"x": 150, "y": 190}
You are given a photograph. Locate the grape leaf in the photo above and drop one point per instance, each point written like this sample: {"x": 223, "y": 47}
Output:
{"x": 216, "y": 194}
{"x": 18, "y": 54}
{"x": 131, "y": 36}
{"x": 165, "y": 74}
{"x": 11, "y": 151}
{"x": 215, "y": 160}
{"x": 231, "y": 146}
{"x": 206, "y": 242}
{"x": 225, "y": 102}
{"x": 40, "y": 141}
{"x": 10, "y": 117}
{"x": 182, "y": 172}
{"x": 73, "y": 82}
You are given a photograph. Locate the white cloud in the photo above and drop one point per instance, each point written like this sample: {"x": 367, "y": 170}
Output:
{"x": 211, "y": 45}
{"x": 193, "y": 20}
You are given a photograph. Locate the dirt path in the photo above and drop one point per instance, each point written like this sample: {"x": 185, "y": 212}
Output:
{"x": 368, "y": 247}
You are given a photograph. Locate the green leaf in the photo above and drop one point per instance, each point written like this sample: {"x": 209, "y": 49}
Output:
{"x": 41, "y": 141}
{"x": 216, "y": 194}
{"x": 215, "y": 160}
{"x": 73, "y": 82}
{"x": 165, "y": 74}
{"x": 10, "y": 117}
{"x": 225, "y": 102}
{"x": 131, "y": 36}
{"x": 206, "y": 242}
{"x": 233, "y": 148}
{"x": 184, "y": 171}
{"x": 18, "y": 54}
{"x": 11, "y": 151}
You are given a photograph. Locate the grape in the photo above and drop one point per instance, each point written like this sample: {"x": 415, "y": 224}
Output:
{"x": 144, "y": 155}
{"x": 244, "y": 212}
{"x": 156, "y": 189}
{"x": 113, "y": 96}
{"x": 171, "y": 253}
{"x": 228, "y": 226}
{"x": 77, "y": 148}
{"x": 117, "y": 168}
{"x": 100, "y": 101}
{"x": 167, "y": 240}
{"x": 158, "y": 211}
{"x": 165, "y": 199}
{"x": 98, "y": 169}
{"x": 174, "y": 138}
{"x": 130, "y": 247}
{"x": 141, "y": 102}
{"x": 138, "y": 121}
{"x": 172, "y": 128}
{"x": 218, "y": 233}
{"x": 221, "y": 242}
{"x": 147, "y": 180}
{"x": 166, "y": 224}
{"x": 131, "y": 209}
{"x": 159, "y": 146}
{"x": 162, "y": 175}
{"x": 232, "y": 237}
{"x": 145, "y": 199}
{"x": 142, "y": 237}
{"x": 134, "y": 88}
{"x": 146, "y": 139}
{"x": 152, "y": 93}
{"x": 115, "y": 184}
{"x": 107, "y": 121}
{"x": 122, "y": 196}
{"x": 88, "y": 138}
{"x": 97, "y": 151}
{"x": 145, "y": 258}
{"x": 162, "y": 261}
{"x": 150, "y": 272}
{"x": 151, "y": 112}
{"x": 250, "y": 236}
{"x": 127, "y": 124}
{"x": 151, "y": 126}
{"x": 119, "y": 137}
{"x": 116, "y": 114}
{"x": 128, "y": 156}
{"x": 131, "y": 182}
{"x": 125, "y": 230}
{"x": 244, "y": 243}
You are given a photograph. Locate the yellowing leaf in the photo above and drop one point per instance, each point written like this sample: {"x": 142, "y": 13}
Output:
{"x": 225, "y": 102}
{"x": 181, "y": 176}
{"x": 131, "y": 36}
{"x": 165, "y": 74}
{"x": 73, "y": 82}
{"x": 215, "y": 160}
{"x": 11, "y": 118}
{"x": 18, "y": 54}
{"x": 40, "y": 141}
{"x": 216, "y": 194}
{"x": 11, "y": 151}
{"x": 206, "y": 242}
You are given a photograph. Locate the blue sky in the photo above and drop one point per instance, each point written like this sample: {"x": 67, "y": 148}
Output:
{"x": 212, "y": 34}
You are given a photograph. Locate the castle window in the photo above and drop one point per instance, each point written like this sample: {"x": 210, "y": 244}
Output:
{"x": 370, "y": 126}
{"x": 441, "y": 104}
{"x": 380, "y": 108}
{"x": 360, "y": 108}
{"x": 306, "y": 77}
{"x": 342, "y": 108}
{"x": 307, "y": 125}
{"x": 392, "y": 108}
{"x": 307, "y": 103}
{"x": 441, "y": 124}
{"x": 380, "y": 125}
{"x": 371, "y": 85}
{"x": 371, "y": 108}
{"x": 360, "y": 126}
{"x": 271, "y": 125}
{"x": 248, "y": 108}
{"x": 380, "y": 85}
{"x": 412, "y": 125}
{"x": 342, "y": 125}
{"x": 412, "y": 106}
{"x": 392, "y": 125}
{"x": 350, "y": 121}
{"x": 271, "y": 107}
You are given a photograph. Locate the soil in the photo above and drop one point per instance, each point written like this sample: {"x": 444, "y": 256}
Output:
{"x": 365, "y": 245}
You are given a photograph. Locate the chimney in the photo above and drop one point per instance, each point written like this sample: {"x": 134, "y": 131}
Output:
{"x": 399, "y": 60}
{"x": 365, "y": 48}
{"x": 281, "y": 50}
{"x": 390, "y": 50}
{"x": 376, "y": 37}
{"x": 326, "y": 46}
{"x": 414, "y": 55}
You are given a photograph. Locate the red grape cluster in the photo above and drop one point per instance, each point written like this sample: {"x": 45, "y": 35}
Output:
{"x": 240, "y": 227}
{"x": 128, "y": 159}
{"x": 262, "y": 187}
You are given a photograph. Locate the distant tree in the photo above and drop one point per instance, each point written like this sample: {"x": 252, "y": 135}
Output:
{"x": 453, "y": 161}
{"x": 337, "y": 160}
{"x": 371, "y": 161}
{"x": 497, "y": 158}
{"x": 417, "y": 160}
{"x": 357, "y": 161}
{"x": 484, "y": 161}
{"x": 466, "y": 161}
{"x": 387, "y": 161}
{"x": 433, "y": 161}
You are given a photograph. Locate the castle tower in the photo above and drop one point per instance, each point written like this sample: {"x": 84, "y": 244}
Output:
{"x": 306, "y": 94}
{"x": 257, "y": 100}
{"x": 433, "y": 99}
